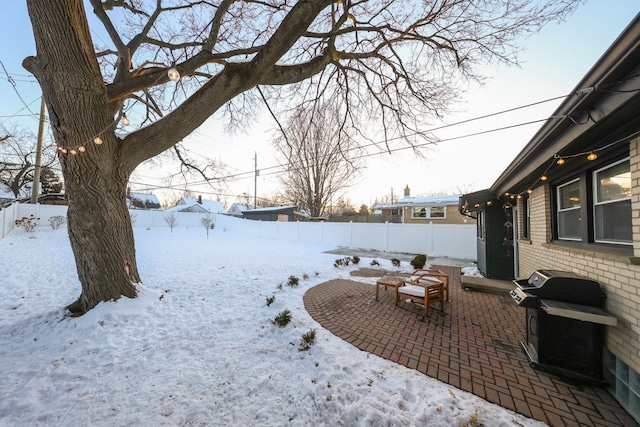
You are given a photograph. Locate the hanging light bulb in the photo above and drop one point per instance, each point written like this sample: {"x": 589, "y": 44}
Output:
{"x": 64, "y": 150}
{"x": 125, "y": 120}
{"x": 173, "y": 73}
{"x": 560, "y": 161}
{"x": 97, "y": 140}
{"x": 73, "y": 151}
{"x": 529, "y": 191}
{"x": 592, "y": 156}
{"x": 543, "y": 178}
{"x": 82, "y": 149}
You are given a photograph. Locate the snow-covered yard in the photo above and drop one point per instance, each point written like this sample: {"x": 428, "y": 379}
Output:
{"x": 198, "y": 347}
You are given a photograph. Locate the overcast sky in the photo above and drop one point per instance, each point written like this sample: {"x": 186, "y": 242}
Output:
{"x": 552, "y": 64}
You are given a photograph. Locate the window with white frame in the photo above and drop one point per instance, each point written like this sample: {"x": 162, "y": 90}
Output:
{"x": 595, "y": 206}
{"x": 569, "y": 215}
{"x": 437, "y": 212}
{"x": 418, "y": 212}
{"x": 612, "y": 203}
{"x": 526, "y": 220}
{"x": 434, "y": 212}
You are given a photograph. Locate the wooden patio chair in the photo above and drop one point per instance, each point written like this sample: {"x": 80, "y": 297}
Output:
{"x": 428, "y": 276}
{"x": 422, "y": 293}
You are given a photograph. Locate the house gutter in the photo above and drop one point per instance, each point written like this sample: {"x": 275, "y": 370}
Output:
{"x": 590, "y": 99}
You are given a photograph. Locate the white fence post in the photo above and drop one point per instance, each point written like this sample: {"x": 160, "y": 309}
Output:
{"x": 4, "y": 214}
{"x": 351, "y": 233}
{"x": 386, "y": 235}
{"x": 430, "y": 240}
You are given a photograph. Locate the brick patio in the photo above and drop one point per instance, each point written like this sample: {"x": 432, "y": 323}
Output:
{"x": 474, "y": 347}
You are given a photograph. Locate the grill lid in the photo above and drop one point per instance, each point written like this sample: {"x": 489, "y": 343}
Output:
{"x": 563, "y": 286}
{"x": 539, "y": 277}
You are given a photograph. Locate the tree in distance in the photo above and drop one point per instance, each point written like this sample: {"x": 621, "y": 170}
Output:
{"x": 320, "y": 156}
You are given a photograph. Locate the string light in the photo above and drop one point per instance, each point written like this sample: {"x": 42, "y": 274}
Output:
{"x": 173, "y": 73}
{"x": 560, "y": 160}
{"x": 591, "y": 156}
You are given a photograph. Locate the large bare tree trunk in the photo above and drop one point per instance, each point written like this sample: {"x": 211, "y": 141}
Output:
{"x": 95, "y": 176}
{"x": 101, "y": 236}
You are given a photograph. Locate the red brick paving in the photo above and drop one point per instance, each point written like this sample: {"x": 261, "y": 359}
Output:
{"x": 475, "y": 347}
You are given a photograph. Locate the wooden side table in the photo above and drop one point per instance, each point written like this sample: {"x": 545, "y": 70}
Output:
{"x": 389, "y": 281}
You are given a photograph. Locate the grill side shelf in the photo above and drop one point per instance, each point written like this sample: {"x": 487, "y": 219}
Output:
{"x": 523, "y": 299}
{"x": 578, "y": 312}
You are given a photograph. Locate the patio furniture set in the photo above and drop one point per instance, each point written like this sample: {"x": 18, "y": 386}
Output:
{"x": 424, "y": 286}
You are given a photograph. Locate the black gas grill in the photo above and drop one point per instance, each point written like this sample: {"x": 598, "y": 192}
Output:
{"x": 565, "y": 323}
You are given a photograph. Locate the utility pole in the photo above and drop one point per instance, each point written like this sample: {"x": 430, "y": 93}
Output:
{"x": 255, "y": 180}
{"x": 36, "y": 173}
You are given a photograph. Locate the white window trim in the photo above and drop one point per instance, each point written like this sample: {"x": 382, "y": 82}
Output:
{"x": 559, "y": 210}
{"x": 427, "y": 212}
{"x": 596, "y": 203}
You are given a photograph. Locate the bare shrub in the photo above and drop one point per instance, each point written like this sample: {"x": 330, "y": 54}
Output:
{"x": 56, "y": 221}
{"x": 171, "y": 220}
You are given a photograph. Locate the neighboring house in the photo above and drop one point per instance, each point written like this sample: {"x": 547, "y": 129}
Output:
{"x": 386, "y": 208}
{"x": 278, "y": 213}
{"x": 436, "y": 209}
{"x": 142, "y": 201}
{"x": 7, "y": 197}
{"x": 187, "y": 204}
{"x": 423, "y": 210}
{"x": 237, "y": 209}
{"x": 570, "y": 201}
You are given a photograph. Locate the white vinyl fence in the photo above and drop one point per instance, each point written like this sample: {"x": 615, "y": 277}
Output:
{"x": 443, "y": 240}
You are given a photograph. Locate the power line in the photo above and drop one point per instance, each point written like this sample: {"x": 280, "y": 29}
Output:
{"x": 389, "y": 151}
{"x": 277, "y": 169}
{"x": 376, "y": 144}
{"x": 13, "y": 84}
{"x": 294, "y": 165}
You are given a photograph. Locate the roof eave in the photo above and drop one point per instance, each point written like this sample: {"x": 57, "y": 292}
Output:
{"x": 619, "y": 61}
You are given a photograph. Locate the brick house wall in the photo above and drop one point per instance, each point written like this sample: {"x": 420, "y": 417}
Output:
{"x": 618, "y": 276}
